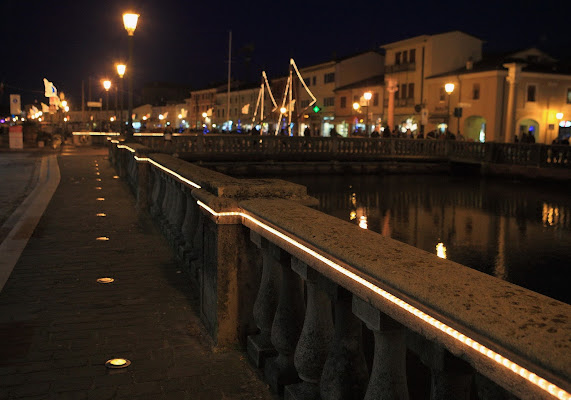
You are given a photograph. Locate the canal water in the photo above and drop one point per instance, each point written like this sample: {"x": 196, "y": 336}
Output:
{"x": 516, "y": 231}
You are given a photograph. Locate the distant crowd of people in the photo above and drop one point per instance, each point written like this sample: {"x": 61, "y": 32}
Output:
{"x": 378, "y": 132}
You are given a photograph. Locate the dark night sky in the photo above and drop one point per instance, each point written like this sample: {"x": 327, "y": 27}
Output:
{"x": 186, "y": 42}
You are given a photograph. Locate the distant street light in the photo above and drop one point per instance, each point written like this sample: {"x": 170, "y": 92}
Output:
{"x": 449, "y": 88}
{"x": 121, "y": 68}
{"x": 367, "y": 96}
{"x": 130, "y": 22}
{"x": 107, "y": 86}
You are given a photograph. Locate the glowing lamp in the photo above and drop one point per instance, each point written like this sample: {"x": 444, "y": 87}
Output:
{"x": 355, "y": 106}
{"x": 367, "y": 96}
{"x": 121, "y": 68}
{"x": 204, "y": 115}
{"x": 449, "y": 88}
{"x": 130, "y": 22}
{"x": 559, "y": 115}
{"x": 283, "y": 110}
{"x": 107, "y": 84}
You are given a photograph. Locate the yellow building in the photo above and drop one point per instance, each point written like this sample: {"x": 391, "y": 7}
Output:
{"x": 409, "y": 62}
{"x": 502, "y": 98}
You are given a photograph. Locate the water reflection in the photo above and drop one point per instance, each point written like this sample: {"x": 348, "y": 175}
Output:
{"x": 512, "y": 230}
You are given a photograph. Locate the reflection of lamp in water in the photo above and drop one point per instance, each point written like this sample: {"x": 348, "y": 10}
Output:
{"x": 441, "y": 250}
{"x": 363, "y": 222}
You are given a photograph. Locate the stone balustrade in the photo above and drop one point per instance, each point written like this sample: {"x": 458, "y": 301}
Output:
{"x": 258, "y": 148}
{"x": 331, "y": 311}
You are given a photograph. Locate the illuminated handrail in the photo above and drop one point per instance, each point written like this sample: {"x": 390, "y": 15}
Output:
{"x": 267, "y": 230}
{"x": 463, "y": 337}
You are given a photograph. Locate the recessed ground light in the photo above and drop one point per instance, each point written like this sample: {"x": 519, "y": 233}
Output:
{"x": 115, "y": 177}
{"x": 102, "y": 238}
{"x": 97, "y": 173}
{"x": 105, "y": 280}
{"x": 98, "y": 179}
{"x": 98, "y": 188}
{"x": 100, "y": 198}
{"x": 117, "y": 363}
{"x": 101, "y": 214}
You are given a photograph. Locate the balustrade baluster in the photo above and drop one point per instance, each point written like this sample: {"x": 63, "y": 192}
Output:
{"x": 179, "y": 212}
{"x": 158, "y": 193}
{"x": 315, "y": 339}
{"x": 260, "y": 346}
{"x": 345, "y": 373}
{"x": 388, "y": 374}
{"x": 188, "y": 227}
{"x": 286, "y": 328}
{"x": 166, "y": 205}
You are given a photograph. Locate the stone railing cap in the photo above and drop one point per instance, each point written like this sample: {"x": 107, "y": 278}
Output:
{"x": 529, "y": 324}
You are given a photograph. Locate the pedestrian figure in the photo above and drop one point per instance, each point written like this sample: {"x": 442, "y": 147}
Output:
{"x": 307, "y": 131}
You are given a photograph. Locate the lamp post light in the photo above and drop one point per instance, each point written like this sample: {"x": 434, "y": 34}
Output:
{"x": 356, "y": 107}
{"x": 107, "y": 86}
{"x": 367, "y": 96}
{"x": 121, "y": 68}
{"x": 449, "y": 88}
{"x": 130, "y": 22}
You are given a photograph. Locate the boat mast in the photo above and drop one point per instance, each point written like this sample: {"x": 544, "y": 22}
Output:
{"x": 229, "y": 71}
{"x": 290, "y": 106}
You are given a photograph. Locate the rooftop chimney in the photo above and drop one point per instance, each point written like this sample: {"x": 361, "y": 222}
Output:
{"x": 469, "y": 64}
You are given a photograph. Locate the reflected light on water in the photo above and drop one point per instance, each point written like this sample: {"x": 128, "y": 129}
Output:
{"x": 441, "y": 250}
{"x": 363, "y": 222}
{"x": 550, "y": 215}
{"x": 353, "y": 215}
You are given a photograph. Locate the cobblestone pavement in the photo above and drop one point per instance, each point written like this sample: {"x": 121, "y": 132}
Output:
{"x": 58, "y": 326}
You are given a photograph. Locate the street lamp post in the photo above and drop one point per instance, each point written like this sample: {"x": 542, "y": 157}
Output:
{"x": 356, "y": 108}
{"x": 107, "y": 86}
{"x": 367, "y": 96}
{"x": 130, "y": 23}
{"x": 121, "y": 68}
{"x": 449, "y": 88}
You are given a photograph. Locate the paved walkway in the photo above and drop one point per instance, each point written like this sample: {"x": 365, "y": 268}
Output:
{"x": 58, "y": 326}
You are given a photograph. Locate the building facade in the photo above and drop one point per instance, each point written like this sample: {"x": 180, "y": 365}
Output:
{"x": 504, "y": 99}
{"x": 409, "y": 62}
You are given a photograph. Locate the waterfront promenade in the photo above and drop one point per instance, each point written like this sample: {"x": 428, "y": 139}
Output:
{"x": 58, "y": 326}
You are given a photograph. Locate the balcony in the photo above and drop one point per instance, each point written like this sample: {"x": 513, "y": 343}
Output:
{"x": 389, "y": 69}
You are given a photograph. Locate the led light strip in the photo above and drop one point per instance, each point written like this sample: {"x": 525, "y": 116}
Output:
{"x": 95, "y": 134}
{"x": 499, "y": 359}
{"x": 179, "y": 177}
